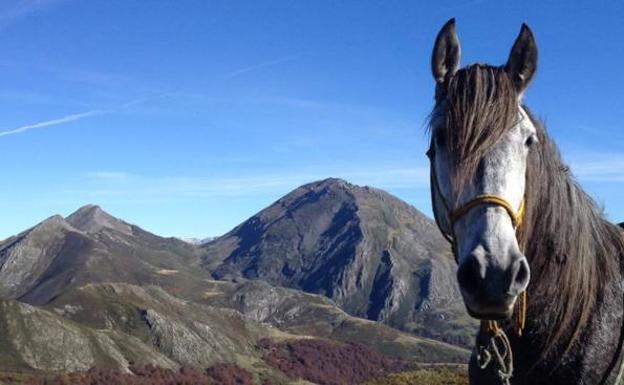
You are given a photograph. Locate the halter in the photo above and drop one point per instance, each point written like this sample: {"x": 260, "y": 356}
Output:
{"x": 497, "y": 349}
{"x": 457, "y": 213}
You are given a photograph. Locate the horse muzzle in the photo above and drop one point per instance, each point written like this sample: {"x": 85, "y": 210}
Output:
{"x": 490, "y": 286}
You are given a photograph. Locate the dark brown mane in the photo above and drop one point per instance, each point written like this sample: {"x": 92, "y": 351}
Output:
{"x": 480, "y": 104}
{"x": 573, "y": 251}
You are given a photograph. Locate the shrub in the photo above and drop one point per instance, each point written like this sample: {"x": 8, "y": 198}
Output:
{"x": 442, "y": 376}
{"x": 329, "y": 363}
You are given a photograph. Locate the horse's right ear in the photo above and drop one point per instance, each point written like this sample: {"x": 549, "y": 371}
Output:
{"x": 446, "y": 53}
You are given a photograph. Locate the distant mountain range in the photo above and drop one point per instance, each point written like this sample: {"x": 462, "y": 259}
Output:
{"x": 92, "y": 290}
{"x": 198, "y": 241}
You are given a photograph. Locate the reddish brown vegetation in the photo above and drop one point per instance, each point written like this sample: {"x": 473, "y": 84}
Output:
{"x": 322, "y": 362}
{"x": 229, "y": 374}
{"x": 222, "y": 374}
{"x": 329, "y": 363}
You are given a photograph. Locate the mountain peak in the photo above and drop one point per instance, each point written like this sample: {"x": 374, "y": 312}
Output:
{"x": 327, "y": 182}
{"x": 91, "y": 219}
{"x": 363, "y": 195}
{"x": 55, "y": 221}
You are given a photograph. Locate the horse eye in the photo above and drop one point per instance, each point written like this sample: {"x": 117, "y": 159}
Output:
{"x": 439, "y": 138}
{"x": 531, "y": 141}
{"x": 430, "y": 152}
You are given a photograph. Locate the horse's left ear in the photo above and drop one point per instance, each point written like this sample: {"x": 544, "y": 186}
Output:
{"x": 522, "y": 62}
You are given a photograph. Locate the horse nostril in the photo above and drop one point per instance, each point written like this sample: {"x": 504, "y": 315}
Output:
{"x": 470, "y": 274}
{"x": 520, "y": 277}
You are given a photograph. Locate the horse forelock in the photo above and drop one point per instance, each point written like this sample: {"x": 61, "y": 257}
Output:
{"x": 475, "y": 108}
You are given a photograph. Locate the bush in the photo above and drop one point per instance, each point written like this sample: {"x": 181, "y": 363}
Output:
{"x": 442, "y": 376}
{"x": 329, "y": 363}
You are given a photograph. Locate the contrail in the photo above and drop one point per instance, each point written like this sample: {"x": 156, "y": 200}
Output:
{"x": 87, "y": 114}
{"x": 79, "y": 116}
{"x": 54, "y": 122}
{"x": 261, "y": 65}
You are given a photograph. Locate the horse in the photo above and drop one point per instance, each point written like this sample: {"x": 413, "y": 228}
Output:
{"x": 538, "y": 263}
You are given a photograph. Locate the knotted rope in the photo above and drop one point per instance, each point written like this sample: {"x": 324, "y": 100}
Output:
{"x": 497, "y": 350}
{"x": 493, "y": 346}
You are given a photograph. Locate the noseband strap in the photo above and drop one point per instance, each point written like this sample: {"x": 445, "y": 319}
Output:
{"x": 453, "y": 215}
{"x": 487, "y": 199}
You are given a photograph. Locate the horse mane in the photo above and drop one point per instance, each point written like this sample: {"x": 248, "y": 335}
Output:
{"x": 572, "y": 250}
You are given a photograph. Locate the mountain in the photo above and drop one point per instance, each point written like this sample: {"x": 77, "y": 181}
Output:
{"x": 229, "y": 320}
{"x": 300, "y": 313}
{"x": 93, "y": 290}
{"x": 374, "y": 255}
{"x": 116, "y": 325}
{"x": 186, "y": 332}
{"x": 91, "y": 246}
{"x": 35, "y": 339}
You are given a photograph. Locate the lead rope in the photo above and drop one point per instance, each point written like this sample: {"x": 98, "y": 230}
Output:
{"x": 496, "y": 349}
{"x": 493, "y": 346}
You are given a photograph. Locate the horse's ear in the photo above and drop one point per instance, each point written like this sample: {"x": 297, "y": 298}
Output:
{"x": 522, "y": 62}
{"x": 446, "y": 53}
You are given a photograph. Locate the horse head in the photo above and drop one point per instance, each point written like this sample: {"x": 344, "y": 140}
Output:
{"x": 481, "y": 140}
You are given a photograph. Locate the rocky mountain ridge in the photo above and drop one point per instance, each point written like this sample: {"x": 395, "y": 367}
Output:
{"x": 91, "y": 246}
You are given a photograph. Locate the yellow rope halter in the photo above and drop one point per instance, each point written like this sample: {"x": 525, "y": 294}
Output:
{"x": 485, "y": 199}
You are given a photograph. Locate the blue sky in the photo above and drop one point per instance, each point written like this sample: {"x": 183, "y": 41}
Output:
{"x": 187, "y": 117}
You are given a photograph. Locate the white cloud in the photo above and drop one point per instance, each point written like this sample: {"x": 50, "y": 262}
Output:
{"x": 132, "y": 186}
{"x": 105, "y": 176}
{"x": 599, "y": 167}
